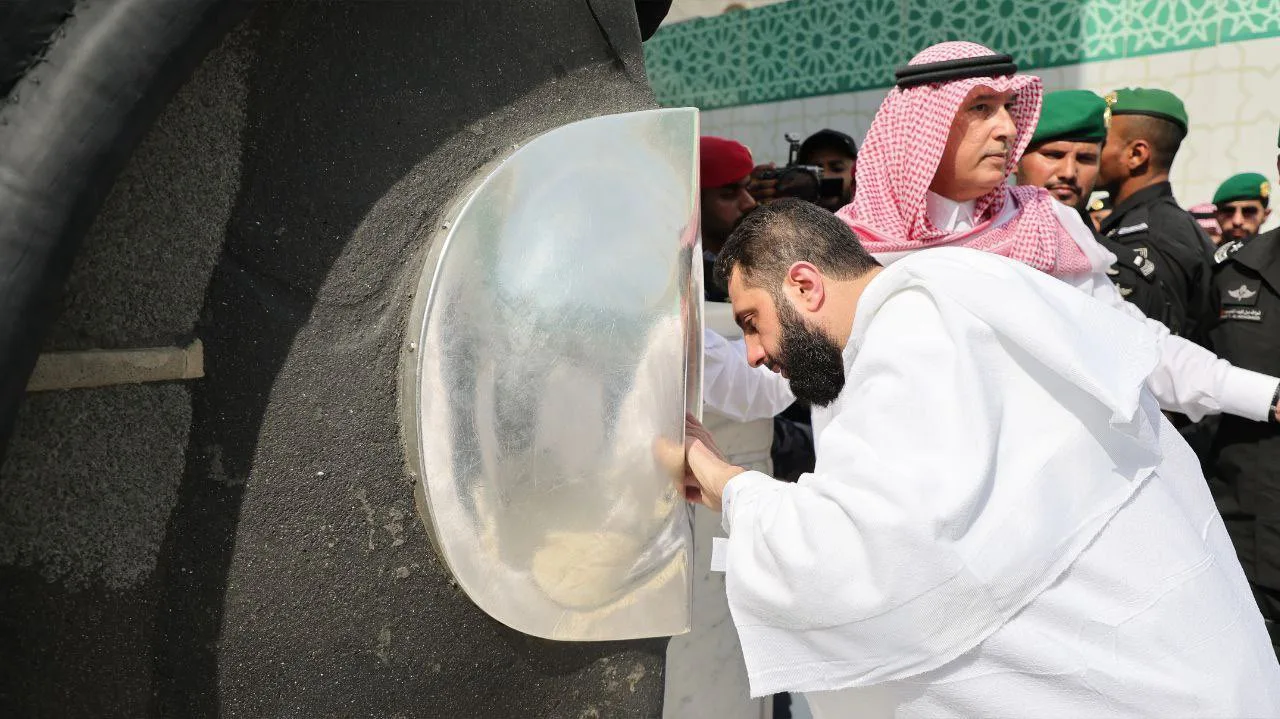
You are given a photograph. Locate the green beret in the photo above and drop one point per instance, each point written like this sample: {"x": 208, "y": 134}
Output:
{"x": 1245, "y": 186}
{"x": 1146, "y": 101}
{"x": 1077, "y": 115}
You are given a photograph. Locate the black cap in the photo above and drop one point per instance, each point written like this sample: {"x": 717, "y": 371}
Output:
{"x": 947, "y": 70}
{"x": 828, "y": 138}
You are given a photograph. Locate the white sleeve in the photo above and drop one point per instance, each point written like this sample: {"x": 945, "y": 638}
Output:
{"x": 734, "y": 388}
{"x": 1189, "y": 378}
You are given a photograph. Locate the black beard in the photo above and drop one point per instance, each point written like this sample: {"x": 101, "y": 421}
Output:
{"x": 814, "y": 363}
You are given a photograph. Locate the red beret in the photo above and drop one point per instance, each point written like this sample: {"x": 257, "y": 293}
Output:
{"x": 722, "y": 162}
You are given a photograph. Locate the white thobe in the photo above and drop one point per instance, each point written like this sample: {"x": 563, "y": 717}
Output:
{"x": 1000, "y": 523}
{"x": 1187, "y": 379}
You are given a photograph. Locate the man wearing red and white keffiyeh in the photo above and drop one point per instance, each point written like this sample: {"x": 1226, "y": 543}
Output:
{"x": 933, "y": 172}
{"x": 915, "y": 155}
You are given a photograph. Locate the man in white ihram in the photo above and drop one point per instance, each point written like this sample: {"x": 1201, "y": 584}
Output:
{"x": 1001, "y": 522}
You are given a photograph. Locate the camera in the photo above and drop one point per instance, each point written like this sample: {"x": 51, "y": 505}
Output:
{"x": 804, "y": 182}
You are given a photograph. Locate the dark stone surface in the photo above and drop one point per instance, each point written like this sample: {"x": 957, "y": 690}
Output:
{"x": 67, "y": 130}
{"x": 92, "y": 477}
{"x": 90, "y": 481}
{"x": 139, "y": 278}
{"x": 294, "y": 577}
{"x": 26, "y": 27}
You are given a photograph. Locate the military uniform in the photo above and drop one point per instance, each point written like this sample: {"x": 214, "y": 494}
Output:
{"x": 1136, "y": 277}
{"x": 1246, "y": 465}
{"x": 1150, "y": 223}
{"x": 1081, "y": 116}
{"x": 1100, "y": 203}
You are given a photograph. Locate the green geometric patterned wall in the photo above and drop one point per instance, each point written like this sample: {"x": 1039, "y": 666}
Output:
{"x": 802, "y": 48}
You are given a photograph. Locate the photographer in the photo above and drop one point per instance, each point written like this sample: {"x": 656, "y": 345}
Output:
{"x": 836, "y": 154}
{"x": 819, "y": 170}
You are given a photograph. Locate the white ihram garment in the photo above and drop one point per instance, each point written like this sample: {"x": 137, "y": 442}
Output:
{"x": 1187, "y": 379}
{"x": 1001, "y": 522}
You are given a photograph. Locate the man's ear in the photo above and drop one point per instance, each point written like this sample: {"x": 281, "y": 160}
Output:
{"x": 1137, "y": 154}
{"x": 804, "y": 285}
{"x": 1266, "y": 214}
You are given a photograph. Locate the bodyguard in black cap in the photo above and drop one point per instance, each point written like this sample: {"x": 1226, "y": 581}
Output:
{"x": 1246, "y": 458}
{"x": 1241, "y": 206}
{"x": 1147, "y": 128}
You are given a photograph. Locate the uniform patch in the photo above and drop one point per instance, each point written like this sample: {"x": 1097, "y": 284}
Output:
{"x": 1132, "y": 229}
{"x": 1144, "y": 265}
{"x": 1242, "y": 294}
{"x": 1124, "y": 291}
{"x": 1227, "y": 250}
{"x": 1247, "y": 314}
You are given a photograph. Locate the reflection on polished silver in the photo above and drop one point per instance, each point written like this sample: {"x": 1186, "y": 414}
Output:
{"x": 554, "y": 350}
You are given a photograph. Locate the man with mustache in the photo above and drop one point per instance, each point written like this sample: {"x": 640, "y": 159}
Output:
{"x": 1147, "y": 129}
{"x": 724, "y": 169}
{"x": 1063, "y": 159}
{"x": 1063, "y": 154}
{"x": 1242, "y": 206}
{"x": 932, "y": 173}
{"x": 1000, "y": 523}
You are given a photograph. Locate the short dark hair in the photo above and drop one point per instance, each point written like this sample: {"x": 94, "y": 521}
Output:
{"x": 775, "y": 236}
{"x": 1164, "y": 137}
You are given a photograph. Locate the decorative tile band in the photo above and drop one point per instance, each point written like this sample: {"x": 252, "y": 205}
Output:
{"x": 803, "y": 48}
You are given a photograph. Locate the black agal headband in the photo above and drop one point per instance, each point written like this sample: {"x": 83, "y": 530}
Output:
{"x": 947, "y": 70}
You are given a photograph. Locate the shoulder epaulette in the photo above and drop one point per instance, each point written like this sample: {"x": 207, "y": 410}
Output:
{"x": 1226, "y": 250}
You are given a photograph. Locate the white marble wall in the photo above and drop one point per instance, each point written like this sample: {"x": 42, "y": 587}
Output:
{"x": 682, "y": 10}
{"x": 1232, "y": 93}
{"x": 706, "y": 677}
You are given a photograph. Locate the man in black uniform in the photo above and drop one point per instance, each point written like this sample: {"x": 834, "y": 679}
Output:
{"x": 1147, "y": 128}
{"x": 1246, "y": 464}
{"x": 1063, "y": 159}
{"x": 1241, "y": 206}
